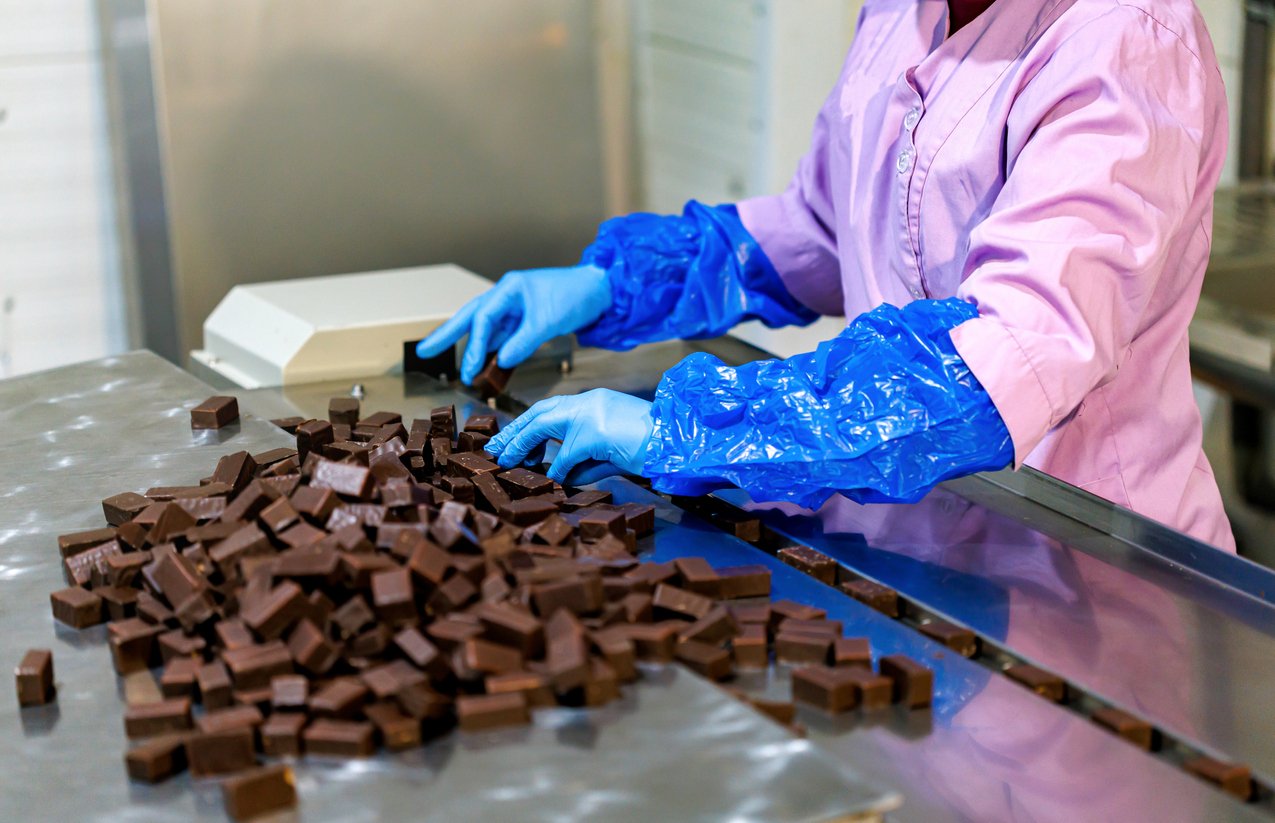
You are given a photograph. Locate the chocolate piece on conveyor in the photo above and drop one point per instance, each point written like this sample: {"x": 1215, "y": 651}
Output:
{"x": 157, "y": 759}
{"x": 670, "y": 600}
{"x": 801, "y": 647}
{"x": 881, "y": 598}
{"x": 957, "y": 638}
{"x": 586, "y": 499}
{"x": 288, "y": 424}
{"x": 851, "y": 651}
{"x": 340, "y": 698}
{"x": 833, "y": 690}
{"x": 810, "y": 562}
{"x": 393, "y": 596}
{"x": 344, "y": 410}
{"x": 72, "y": 544}
{"x": 640, "y": 518}
{"x": 221, "y": 752}
{"x": 875, "y": 691}
{"x": 260, "y": 791}
{"x": 485, "y": 657}
{"x": 511, "y": 626}
{"x": 312, "y": 436}
{"x": 913, "y": 683}
{"x": 289, "y": 691}
{"x": 490, "y": 495}
{"x": 1233, "y": 778}
{"x": 492, "y": 711}
{"x": 214, "y": 413}
{"x": 521, "y": 483}
{"x": 655, "y": 642}
{"x": 343, "y": 478}
{"x": 469, "y": 464}
{"x": 281, "y": 734}
{"x": 552, "y": 531}
{"x": 214, "y": 684}
{"x": 34, "y": 678}
{"x": 231, "y": 717}
{"x": 442, "y": 422}
{"x": 714, "y": 627}
{"x": 132, "y": 644}
{"x": 528, "y": 512}
{"x": 783, "y": 610}
{"x": 344, "y": 738}
{"x": 566, "y": 652}
{"x": 471, "y": 442}
{"x": 178, "y": 677}
{"x": 274, "y": 612}
{"x": 704, "y": 659}
{"x": 252, "y": 666}
{"x": 1046, "y": 684}
{"x": 379, "y": 419}
{"x": 735, "y": 582}
{"x": 279, "y": 516}
{"x": 150, "y": 719}
{"x": 482, "y": 424}
{"x": 76, "y": 607}
{"x": 235, "y": 470}
{"x": 311, "y": 649}
{"x": 577, "y": 594}
{"x": 597, "y": 523}
{"x": 420, "y": 651}
{"x": 1136, "y": 731}
{"x": 121, "y": 508}
{"x": 697, "y": 575}
{"x": 492, "y": 380}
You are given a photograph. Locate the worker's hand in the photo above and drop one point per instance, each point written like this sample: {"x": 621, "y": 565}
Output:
{"x": 602, "y": 432}
{"x": 520, "y": 313}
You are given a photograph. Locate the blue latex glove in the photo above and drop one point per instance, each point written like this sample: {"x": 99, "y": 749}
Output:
{"x": 881, "y": 413}
{"x": 603, "y": 432}
{"x": 520, "y": 313}
{"x": 688, "y": 277}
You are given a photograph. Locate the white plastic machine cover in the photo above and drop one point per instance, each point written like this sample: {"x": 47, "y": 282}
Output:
{"x": 329, "y": 328}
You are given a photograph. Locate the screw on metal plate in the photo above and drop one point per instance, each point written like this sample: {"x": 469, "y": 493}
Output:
{"x": 564, "y": 366}
{"x": 357, "y": 391}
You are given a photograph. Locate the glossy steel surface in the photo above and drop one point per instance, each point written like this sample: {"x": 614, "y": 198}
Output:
{"x": 78, "y": 434}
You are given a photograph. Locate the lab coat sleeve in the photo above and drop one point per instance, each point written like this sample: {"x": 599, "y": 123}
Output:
{"x": 691, "y": 276}
{"x": 1105, "y": 155}
{"x": 796, "y": 229}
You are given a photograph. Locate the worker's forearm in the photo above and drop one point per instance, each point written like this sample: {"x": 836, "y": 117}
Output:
{"x": 691, "y": 276}
{"x": 882, "y": 412}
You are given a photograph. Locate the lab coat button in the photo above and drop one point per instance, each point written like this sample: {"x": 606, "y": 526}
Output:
{"x": 905, "y": 161}
{"x": 911, "y": 119}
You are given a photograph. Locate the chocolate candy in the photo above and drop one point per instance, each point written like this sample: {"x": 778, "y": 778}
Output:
{"x": 881, "y": 598}
{"x": 808, "y": 561}
{"x": 344, "y": 410}
{"x": 749, "y": 648}
{"x": 704, "y": 659}
{"x": 121, "y": 508}
{"x": 214, "y": 413}
{"x": 957, "y": 638}
{"x": 345, "y": 738}
{"x": 470, "y": 464}
{"x": 1234, "y": 779}
{"x": 150, "y": 719}
{"x": 72, "y": 544}
{"x": 343, "y": 478}
{"x": 221, "y": 752}
{"x": 281, "y": 734}
{"x": 312, "y": 436}
{"x": 734, "y": 582}
{"x": 913, "y": 683}
{"x": 1046, "y": 684}
{"x": 258, "y": 792}
{"x": 522, "y": 483}
{"x": 1136, "y": 731}
{"x": 34, "y": 678}
{"x": 670, "y": 600}
{"x": 214, "y": 684}
{"x": 851, "y": 651}
{"x": 492, "y": 380}
{"x": 76, "y": 607}
{"x": 833, "y": 690}
{"x": 492, "y": 711}
{"x": 157, "y": 759}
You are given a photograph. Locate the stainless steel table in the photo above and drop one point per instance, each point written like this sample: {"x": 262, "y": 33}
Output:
{"x": 1054, "y": 579}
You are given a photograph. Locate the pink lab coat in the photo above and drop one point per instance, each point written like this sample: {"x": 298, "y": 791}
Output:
{"x": 1053, "y": 162}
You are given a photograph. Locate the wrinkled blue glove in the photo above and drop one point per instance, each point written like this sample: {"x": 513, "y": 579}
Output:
{"x": 603, "y": 432}
{"x": 881, "y": 413}
{"x": 691, "y": 276}
{"x": 520, "y": 313}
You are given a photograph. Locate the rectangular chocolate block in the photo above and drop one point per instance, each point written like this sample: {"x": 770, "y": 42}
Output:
{"x": 875, "y": 691}
{"x": 597, "y": 523}
{"x": 706, "y": 660}
{"x": 833, "y": 690}
{"x": 289, "y": 691}
{"x": 76, "y": 607}
{"x": 398, "y": 731}
{"x": 522, "y": 483}
{"x": 1136, "y": 731}
{"x": 801, "y": 648}
{"x": 121, "y": 508}
{"x": 344, "y": 410}
{"x": 1046, "y": 684}
{"x": 235, "y": 470}
{"x": 655, "y": 642}
{"x": 957, "y": 638}
{"x": 852, "y": 651}
{"x": 221, "y": 752}
{"x": 258, "y": 792}
{"x": 492, "y": 380}
{"x": 343, "y": 738}
{"x": 150, "y": 719}
{"x": 178, "y": 677}
{"x": 132, "y": 644}
{"x": 215, "y": 412}
{"x": 566, "y": 652}
{"x": 76, "y": 542}
{"x": 485, "y": 657}
{"x": 810, "y": 562}
{"x": 735, "y": 582}
{"x": 749, "y": 648}
{"x": 716, "y": 626}
{"x": 281, "y": 734}
{"x": 214, "y": 684}
{"x": 470, "y": 464}
{"x": 156, "y": 759}
{"x": 343, "y": 478}
{"x": 393, "y": 596}
{"x": 273, "y": 613}
{"x": 34, "y": 678}
{"x": 341, "y": 698}
{"x": 288, "y": 424}
{"x": 880, "y": 597}
{"x": 913, "y": 683}
{"x": 492, "y": 711}
{"x": 253, "y": 666}
{"x": 1233, "y": 778}
{"x": 672, "y": 601}
{"x": 529, "y": 511}
{"x": 231, "y": 717}
{"x": 511, "y": 626}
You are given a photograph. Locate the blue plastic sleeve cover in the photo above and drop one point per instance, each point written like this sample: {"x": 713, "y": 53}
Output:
{"x": 880, "y": 413}
{"x": 687, "y": 277}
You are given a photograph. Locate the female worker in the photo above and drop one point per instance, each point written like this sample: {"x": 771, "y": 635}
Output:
{"x": 1013, "y": 199}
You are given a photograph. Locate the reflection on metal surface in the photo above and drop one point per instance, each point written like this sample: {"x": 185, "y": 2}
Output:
{"x": 78, "y": 434}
